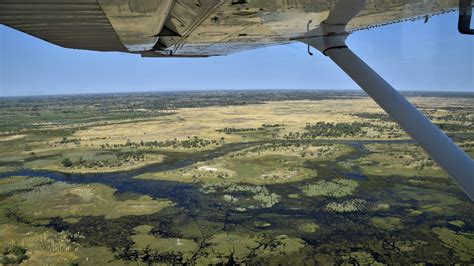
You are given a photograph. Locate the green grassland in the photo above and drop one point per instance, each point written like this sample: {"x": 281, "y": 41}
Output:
{"x": 406, "y": 160}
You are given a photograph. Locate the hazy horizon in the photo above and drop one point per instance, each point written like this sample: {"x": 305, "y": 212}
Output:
{"x": 357, "y": 91}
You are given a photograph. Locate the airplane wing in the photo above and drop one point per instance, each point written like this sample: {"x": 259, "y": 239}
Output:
{"x": 192, "y": 28}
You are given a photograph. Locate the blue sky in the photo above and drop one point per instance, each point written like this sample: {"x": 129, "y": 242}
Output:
{"x": 410, "y": 55}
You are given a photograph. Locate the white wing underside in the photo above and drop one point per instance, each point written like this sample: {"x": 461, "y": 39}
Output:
{"x": 192, "y": 27}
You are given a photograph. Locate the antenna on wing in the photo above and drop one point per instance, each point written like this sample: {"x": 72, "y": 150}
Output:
{"x": 309, "y": 46}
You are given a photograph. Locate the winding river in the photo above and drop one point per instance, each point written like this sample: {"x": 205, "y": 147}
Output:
{"x": 124, "y": 181}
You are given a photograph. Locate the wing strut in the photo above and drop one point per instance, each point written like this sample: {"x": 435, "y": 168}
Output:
{"x": 329, "y": 38}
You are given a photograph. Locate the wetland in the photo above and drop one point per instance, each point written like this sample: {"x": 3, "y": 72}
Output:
{"x": 272, "y": 177}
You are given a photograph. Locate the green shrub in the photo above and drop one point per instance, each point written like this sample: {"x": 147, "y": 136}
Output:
{"x": 66, "y": 162}
{"x": 13, "y": 255}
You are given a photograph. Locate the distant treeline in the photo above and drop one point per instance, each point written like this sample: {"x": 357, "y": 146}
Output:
{"x": 230, "y": 130}
{"x": 374, "y": 116}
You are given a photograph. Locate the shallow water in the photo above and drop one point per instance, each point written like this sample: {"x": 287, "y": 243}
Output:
{"x": 341, "y": 232}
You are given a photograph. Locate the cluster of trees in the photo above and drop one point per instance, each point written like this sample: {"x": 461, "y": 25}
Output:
{"x": 337, "y": 130}
{"x": 454, "y": 127}
{"x": 190, "y": 142}
{"x": 458, "y": 116}
{"x": 272, "y": 125}
{"x": 230, "y": 130}
{"x": 121, "y": 159}
{"x": 65, "y": 140}
{"x": 374, "y": 116}
{"x": 275, "y": 146}
{"x": 392, "y": 130}
{"x": 323, "y": 129}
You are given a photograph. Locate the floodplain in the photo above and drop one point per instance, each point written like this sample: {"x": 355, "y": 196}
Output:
{"x": 255, "y": 177}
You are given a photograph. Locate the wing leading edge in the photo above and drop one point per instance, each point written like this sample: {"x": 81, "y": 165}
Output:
{"x": 190, "y": 28}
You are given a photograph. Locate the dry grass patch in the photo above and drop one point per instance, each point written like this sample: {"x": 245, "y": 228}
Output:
{"x": 205, "y": 122}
